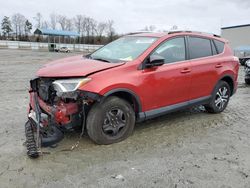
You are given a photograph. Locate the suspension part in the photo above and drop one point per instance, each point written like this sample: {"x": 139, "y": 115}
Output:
{"x": 32, "y": 151}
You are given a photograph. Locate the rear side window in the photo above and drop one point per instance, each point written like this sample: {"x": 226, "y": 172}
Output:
{"x": 199, "y": 47}
{"x": 219, "y": 45}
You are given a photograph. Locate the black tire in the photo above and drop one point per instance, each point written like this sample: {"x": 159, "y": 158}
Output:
{"x": 247, "y": 81}
{"x": 111, "y": 115}
{"x": 216, "y": 104}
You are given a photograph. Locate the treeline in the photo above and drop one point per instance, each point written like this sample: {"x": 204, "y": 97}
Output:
{"x": 18, "y": 27}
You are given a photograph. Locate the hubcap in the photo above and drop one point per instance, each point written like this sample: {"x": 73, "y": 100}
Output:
{"x": 114, "y": 122}
{"x": 221, "y": 98}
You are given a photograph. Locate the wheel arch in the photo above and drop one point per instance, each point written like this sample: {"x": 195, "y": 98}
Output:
{"x": 129, "y": 96}
{"x": 229, "y": 79}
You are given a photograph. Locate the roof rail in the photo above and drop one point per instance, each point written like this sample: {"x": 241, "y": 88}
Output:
{"x": 138, "y": 32}
{"x": 189, "y": 31}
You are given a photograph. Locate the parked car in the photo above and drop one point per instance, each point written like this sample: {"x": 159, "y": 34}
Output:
{"x": 247, "y": 72}
{"x": 62, "y": 49}
{"x": 132, "y": 79}
{"x": 243, "y": 53}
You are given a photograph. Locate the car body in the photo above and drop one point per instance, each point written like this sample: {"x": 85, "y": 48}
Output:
{"x": 132, "y": 79}
{"x": 247, "y": 72}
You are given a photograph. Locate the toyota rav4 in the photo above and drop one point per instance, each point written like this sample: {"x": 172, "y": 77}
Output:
{"x": 132, "y": 79}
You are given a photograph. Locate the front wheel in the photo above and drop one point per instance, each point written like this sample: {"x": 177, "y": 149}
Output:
{"x": 220, "y": 98}
{"x": 110, "y": 121}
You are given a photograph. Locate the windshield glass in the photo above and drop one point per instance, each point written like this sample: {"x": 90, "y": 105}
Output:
{"x": 123, "y": 49}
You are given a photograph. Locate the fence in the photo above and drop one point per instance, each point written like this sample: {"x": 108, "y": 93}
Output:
{"x": 44, "y": 46}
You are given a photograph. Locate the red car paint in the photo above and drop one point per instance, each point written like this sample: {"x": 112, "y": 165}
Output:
{"x": 155, "y": 87}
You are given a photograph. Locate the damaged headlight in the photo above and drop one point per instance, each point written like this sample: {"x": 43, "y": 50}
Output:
{"x": 69, "y": 85}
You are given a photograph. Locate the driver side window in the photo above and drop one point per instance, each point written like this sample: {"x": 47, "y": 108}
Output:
{"x": 172, "y": 50}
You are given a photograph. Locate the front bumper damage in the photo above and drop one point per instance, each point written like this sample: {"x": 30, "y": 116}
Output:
{"x": 47, "y": 122}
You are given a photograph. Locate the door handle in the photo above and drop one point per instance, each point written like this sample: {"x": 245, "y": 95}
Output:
{"x": 219, "y": 65}
{"x": 186, "y": 70}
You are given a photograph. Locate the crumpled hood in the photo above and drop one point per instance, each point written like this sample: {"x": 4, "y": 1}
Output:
{"x": 75, "y": 66}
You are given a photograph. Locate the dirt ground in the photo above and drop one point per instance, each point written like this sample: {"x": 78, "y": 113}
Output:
{"x": 185, "y": 149}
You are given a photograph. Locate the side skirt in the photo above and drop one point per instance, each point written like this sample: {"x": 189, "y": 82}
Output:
{"x": 172, "y": 108}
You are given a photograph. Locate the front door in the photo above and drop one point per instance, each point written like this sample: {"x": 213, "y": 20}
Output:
{"x": 167, "y": 84}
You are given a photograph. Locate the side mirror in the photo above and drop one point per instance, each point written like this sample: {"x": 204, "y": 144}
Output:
{"x": 155, "y": 61}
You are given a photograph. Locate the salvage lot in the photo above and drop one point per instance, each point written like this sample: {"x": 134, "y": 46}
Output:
{"x": 190, "y": 148}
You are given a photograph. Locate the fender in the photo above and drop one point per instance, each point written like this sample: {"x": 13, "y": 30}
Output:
{"x": 138, "y": 101}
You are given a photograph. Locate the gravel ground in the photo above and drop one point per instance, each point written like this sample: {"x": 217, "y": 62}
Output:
{"x": 185, "y": 149}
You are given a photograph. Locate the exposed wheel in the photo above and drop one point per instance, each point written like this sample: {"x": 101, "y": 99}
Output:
{"x": 247, "y": 81}
{"x": 110, "y": 121}
{"x": 220, "y": 98}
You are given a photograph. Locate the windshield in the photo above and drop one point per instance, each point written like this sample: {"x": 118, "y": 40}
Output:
{"x": 123, "y": 49}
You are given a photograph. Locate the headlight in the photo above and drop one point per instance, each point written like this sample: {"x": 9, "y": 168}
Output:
{"x": 69, "y": 85}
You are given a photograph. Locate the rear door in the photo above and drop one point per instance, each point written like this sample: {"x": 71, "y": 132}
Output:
{"x": 204, "y": 60}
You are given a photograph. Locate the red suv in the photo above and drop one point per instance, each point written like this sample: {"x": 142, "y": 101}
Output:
{"x": 135, "y": 78}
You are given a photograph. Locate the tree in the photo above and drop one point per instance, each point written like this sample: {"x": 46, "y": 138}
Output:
{"x": 149, "y": 28}
{"x": 100, "y": 29}
{"x": 69, "y": 24}
{"x": 6, "y": 26}
{"x": 38, "y": 18}
{"x": 18, "y": 21}
{"x": 62, "y": 20}
{"x": 45, "y": 25}
{"x": 110, "y": 30}
{"x": 27, "y": 28}
{"x": 53, "y": 21}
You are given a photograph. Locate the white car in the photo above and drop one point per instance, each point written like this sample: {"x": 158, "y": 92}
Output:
{"x": 63, "y": 49}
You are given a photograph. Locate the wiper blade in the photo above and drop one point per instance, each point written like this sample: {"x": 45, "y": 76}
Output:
{"x": 101, "y": 59}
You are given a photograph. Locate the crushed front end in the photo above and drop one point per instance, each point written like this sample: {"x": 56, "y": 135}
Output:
{"x": 56, "y": 105}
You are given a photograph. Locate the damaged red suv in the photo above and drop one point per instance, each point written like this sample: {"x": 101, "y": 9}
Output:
{"x": 135, "y": 78}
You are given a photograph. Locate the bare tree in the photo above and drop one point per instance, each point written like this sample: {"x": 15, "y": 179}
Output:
{"x": 78, "y": 22}
{"x": 89, "y": 27}
{"x": 110, "y": 29}
{"x": 100, "y": 29}
{"x": 62, "y": 20}
{"x": 69, "y": 24}
{"x": 18, "y": 21}
{"x": 53, "y": 21}
{"x": 45, "y": 25}
{"x": 149, "y": 28}
{"x": 38, "y": 18}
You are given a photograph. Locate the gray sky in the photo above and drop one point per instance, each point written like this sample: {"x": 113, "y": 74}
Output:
{"x": 133, "y": 15}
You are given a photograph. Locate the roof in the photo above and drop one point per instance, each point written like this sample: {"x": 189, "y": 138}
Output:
{"x": 55, "y": 32}
{"x": 236, "y": 26}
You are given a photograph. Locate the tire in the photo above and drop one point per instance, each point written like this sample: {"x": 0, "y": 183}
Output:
{"x": 110, "y": 121}
{"x": 218, "y": 104}
{"x": 247, "y": 81}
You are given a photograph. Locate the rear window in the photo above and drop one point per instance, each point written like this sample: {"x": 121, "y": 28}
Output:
{"x": 219, "y": 45}
{"x": 199, "y": 47}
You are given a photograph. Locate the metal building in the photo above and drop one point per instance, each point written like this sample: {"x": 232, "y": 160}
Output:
{"x": 238, "y": 36}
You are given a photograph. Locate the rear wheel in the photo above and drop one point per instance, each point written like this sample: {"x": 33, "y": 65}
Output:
{"x": 110, "y": 121}
{"x": 220, "y": 98}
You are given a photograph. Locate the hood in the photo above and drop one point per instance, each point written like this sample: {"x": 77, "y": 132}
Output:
{"x": 75, "y": 66}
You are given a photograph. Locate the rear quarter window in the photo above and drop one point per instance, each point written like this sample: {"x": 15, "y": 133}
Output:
{"x": 220, "y": 46}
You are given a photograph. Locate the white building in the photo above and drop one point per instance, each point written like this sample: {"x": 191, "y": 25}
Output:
{"x": 238, "y": 36}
